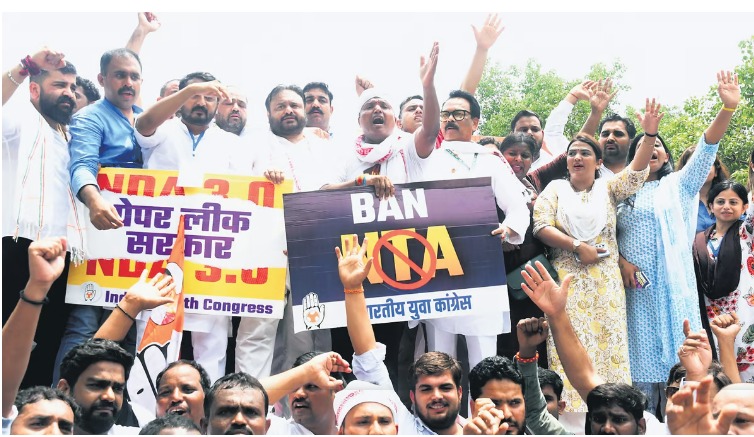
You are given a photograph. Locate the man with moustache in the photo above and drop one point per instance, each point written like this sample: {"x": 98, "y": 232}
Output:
{"x": 236, "y": 404}
{"x": 36, "y": 193}
{"x": 616, "y": 134}
{"x": 102, "y": 135}
{"x": 94, "y": 374}
{"x": 231, "y": 113}
{"x": 284, "y": 153}
{"x": 194, "y": 146}
{"x": 318, "y": 101}
{"x": 459, "y": 157}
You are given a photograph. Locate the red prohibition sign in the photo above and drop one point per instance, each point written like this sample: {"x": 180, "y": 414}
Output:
{"x": 425, "y": 276}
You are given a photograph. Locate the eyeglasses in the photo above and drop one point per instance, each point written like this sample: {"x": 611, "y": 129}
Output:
{"x": 670, "y": 391}
{"x": 458, "y": 115}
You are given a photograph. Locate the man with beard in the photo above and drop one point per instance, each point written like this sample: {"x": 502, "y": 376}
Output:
{"x": 284, "y": 153}
{"x": 102, "y": 135}
{"x": 616, "y": 134}
{"x": 36, "y": 193}
{"x": 435, "y": 378}
{"x": 495, "y": 386}
{"x": 192, "y": 145}
{"x": 231, "y": 114}
{"x": 94, "y": 374}
{"x": 318, "y": 105}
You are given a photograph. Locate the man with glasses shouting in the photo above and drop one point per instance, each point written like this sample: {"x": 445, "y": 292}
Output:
{"x": 457, "y": 158}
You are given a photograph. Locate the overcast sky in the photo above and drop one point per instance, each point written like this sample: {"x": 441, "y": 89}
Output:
{"x": 669, "y": 55}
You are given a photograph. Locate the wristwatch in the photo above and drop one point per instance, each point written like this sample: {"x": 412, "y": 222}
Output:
{"x": 576, "y": 244}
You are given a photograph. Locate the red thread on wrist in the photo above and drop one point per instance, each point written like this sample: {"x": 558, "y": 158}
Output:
{"x": 30, "y": 68}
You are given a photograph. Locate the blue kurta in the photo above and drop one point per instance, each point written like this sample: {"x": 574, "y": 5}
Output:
{"x": 650, "y": 308}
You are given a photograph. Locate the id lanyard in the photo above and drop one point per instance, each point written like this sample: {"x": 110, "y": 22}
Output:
{"x": 196, "y": 140}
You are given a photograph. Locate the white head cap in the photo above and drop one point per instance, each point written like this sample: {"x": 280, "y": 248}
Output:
{"x": 359, "y": 392}
{"x": 370, "y": 94}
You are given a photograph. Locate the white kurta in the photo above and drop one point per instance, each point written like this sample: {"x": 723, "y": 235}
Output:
{"x": 37, "y": 198}
{"x": 458, "y": 160}
{"x": 394, "y": 156}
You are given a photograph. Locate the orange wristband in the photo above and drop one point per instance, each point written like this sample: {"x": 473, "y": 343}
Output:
{"x": 533, "y": 359}
{"x": 353, "y": 291}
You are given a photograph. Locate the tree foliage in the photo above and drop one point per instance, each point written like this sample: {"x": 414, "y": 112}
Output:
{"x": 502, "y": 93}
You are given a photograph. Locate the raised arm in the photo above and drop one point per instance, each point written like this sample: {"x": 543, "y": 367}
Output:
{"x": 45, "y": 59}
{"x": 689, "y": 411}
{"x": 695, "y": 353}
{"x": 730, "y": 95}
{"x": 551, "y": 299}
{"x": 600, "y": 96}
{"x": 362, "y": 84}
{"x": 650, "y": 122}
{"x": 148, "y": 23}
{"x": 144, "y": 295}
{"x": 46, "y": 262}
{"x": 160, "y": 112}
{"x": 554, "y": 138}
{"x": 531, "y": 332}
{"x": 426, "y": 135}
{"x": 353, "y": 270}
{"x": 485, "y": 38}
{"x": 315, "y": 371}
{"x": 726, "y": 327}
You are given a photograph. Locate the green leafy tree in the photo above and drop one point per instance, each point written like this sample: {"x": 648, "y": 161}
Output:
{"x": 502, "y": 93}
{"x": 683, "y": 125}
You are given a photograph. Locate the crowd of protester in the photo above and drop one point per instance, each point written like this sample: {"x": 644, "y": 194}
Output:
{"x": 630, "y": 281}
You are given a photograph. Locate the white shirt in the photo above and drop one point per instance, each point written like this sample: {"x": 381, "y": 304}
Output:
{"x": 281, "y": 426}
{"x": 401, "y": 148}
{"x": 171, "y": 147}
{"x": 556, "y": 142}
{"x": 370, "y": 367}
{"x": 37, "y": 196}
{"x": 309, "y": 163}
{"x": 470, "y": 160}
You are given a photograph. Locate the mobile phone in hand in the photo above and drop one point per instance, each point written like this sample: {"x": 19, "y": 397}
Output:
{"x": 641, "y": 280}
{"x": 604, "y": 254}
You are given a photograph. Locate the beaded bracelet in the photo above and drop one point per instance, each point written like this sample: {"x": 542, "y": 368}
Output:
{"x": 533, "y": 359}
{"x": 10, "y": 76}
{"x": 33, "y": 302}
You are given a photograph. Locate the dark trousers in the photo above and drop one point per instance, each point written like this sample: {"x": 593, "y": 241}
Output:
{"x": 54, "y": 315}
